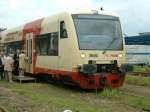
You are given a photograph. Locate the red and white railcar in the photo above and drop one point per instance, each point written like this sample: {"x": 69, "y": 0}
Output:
{"x": 83, "y": 48}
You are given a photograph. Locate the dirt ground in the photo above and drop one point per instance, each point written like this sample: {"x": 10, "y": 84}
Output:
{"x": 40, "y": 97}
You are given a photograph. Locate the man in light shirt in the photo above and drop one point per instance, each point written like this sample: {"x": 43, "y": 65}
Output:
{"x": 22, "y": 63}
{"x": 8, "y": 67}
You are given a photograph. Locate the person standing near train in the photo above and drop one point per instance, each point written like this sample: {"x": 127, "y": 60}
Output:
{"x": 22, "y": 63}
{"x": 16, "y": 62}
{"x": 1, "y": 66}
{"x": 8, "y": 67}
{"x": 5, "y": 66}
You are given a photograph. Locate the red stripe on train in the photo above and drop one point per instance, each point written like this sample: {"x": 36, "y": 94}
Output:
{"x": 35, "y": 28}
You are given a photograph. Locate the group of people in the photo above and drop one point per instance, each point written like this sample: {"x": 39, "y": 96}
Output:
{"x": 12, "y": 64}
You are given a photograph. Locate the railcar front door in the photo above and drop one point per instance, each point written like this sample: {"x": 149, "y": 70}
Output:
{"x": 64, "y": 57}
{"x": 29, "y": 54}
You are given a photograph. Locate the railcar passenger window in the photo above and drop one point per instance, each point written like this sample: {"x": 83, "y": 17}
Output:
{"x": 47, "y": 44}
{"x": 53, "y": 46}
{"x": 11, "y": 47}
{"x": 63, "y": 31}
{"x": 42, "y": 44}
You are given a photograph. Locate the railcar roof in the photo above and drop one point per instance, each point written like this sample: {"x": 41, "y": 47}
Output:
{"x": 19, "y": 28}
{"x": 93, "y": 12}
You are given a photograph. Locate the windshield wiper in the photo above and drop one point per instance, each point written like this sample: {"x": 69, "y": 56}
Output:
{"x": 109, "y": 45}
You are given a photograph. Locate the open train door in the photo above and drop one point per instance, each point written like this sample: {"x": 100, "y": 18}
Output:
{"x": 29, "y": 49}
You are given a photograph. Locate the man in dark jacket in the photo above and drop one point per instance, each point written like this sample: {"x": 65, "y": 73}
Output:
{"x": 16, "y": 62}
{"x": 1, "y": 67}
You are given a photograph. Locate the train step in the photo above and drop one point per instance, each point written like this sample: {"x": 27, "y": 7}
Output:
{"x": 24, "y": 78}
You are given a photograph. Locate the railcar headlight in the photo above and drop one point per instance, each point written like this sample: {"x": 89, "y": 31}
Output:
{"x": 120, "y": 55}
{"x": 83, "y": 55}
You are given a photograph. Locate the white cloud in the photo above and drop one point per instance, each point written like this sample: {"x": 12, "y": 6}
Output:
{"x": 72, "y": 4}
{"x": 134, "y": 14}
{"x": 16, "y": 4}
{"x": 28, "y": 10}
{"x": 23, "y": 5}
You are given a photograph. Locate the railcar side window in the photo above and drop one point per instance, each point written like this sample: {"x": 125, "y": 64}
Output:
{"x": 42, "y": 44}
{"x": 47, "y": 44}
{"x": 53, "y": 46}
{"x": 11, "y": 47}
{"x": 63, "y": 31}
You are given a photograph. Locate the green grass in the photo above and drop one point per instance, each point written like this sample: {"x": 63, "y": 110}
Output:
{"x": 110, "y": 93}
{"x": 62, "y": 102}
{"x": 61, "y": 98}
{"x": 138, "y": 80}
{"x": 57, "y": 97}
{"x": 125, "y": 98}
{"x": 141, "y": 69}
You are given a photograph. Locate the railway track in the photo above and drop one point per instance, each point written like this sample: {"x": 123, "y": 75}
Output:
{"x": 143, "y": 109}
{"x": 2, "y": 109}
{"x": 143, "y": 74}
{"x": 146, "y": 110}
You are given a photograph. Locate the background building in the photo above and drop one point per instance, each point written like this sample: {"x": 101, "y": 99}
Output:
{"x": 1, "y": 44}
{"x": 138, "y": 49}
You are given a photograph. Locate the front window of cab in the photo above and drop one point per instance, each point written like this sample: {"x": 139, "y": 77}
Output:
{"x": 98, "y": 32}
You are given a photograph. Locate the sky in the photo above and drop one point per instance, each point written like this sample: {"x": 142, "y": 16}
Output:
{"x": 134, "y": 14}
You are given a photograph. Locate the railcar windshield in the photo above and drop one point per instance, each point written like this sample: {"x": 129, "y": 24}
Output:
{"x": 98, "y": 32}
